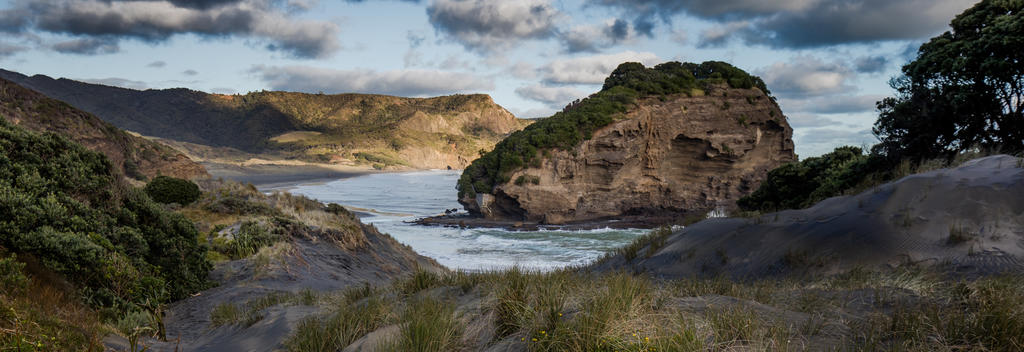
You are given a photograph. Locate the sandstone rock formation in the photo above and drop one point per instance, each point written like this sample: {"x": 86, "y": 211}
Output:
{"x": 672, "y": 154}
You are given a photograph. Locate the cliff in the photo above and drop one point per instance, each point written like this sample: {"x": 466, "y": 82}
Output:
{"x": 132, "y": 156}
{"x": 688, "y": 151}
{"x": 348, "y": 129}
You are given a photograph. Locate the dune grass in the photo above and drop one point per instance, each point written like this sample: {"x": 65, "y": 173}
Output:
{"x": 914, "y": 309}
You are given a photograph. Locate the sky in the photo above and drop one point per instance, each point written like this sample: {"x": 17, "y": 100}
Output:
{"x": 827, "y": 61}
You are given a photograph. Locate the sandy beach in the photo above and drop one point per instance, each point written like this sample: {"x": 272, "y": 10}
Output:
{"x": 275, "y": 175}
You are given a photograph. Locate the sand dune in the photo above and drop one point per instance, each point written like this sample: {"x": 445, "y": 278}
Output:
{"x": 969, "y": 218}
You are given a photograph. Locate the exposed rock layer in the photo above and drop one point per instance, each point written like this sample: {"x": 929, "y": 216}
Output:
{"x": 671, "y": 155}
{"x": 131, "y": 155}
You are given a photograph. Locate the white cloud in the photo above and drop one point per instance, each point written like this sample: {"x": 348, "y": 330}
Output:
{"x": 491, "y": 25}
{"x": 806, "y": 76}
{"x": 397, "y": 82}
{"x": 592, "y": 69}
{"x": 553, "y": 96}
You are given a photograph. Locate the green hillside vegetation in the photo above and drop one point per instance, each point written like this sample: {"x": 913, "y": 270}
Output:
{"x": 132, "y": 156}
{"x": 62, "y": 206}
{"x": 328, "y": 125}
{"x": 961, "y": 98}
{"x": 577, "y": 122}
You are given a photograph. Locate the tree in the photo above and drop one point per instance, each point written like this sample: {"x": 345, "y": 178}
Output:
{"x": 964, "y": 90}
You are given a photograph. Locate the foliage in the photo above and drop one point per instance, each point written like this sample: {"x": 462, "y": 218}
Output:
{"x": 964, "y": 90}
{"x": 165, "y": 189}
{"x": 61, "y": 204}
{"x": 12, "y": 279}
{"x": 578, "y": 121}
{"x": 801, "y": 184}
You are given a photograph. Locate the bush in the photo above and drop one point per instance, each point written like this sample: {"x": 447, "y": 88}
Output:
{"x": 12, "y": 279}
{"x": 61, "y": 204}
{"x": 801, "y": 184}
{"x": 167, "y": 190}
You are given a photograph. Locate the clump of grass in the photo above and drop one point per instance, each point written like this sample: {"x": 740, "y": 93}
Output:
{"x": 653, "y": 241}
{"x": 428, "y": 325}
{"x": 420, "y": 280}
{"x": 228, "y": 313}
{"x": 958, "y": 235}
{"x": 335, "y": 332}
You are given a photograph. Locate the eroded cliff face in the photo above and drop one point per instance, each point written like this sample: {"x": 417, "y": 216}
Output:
{"x": 668, "y": 155}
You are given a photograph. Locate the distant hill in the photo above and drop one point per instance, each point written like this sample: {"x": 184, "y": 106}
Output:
{"x": 383, "y": 131}
{"x": 132, "y": 156}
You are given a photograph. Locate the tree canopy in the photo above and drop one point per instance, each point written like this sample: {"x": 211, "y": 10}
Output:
{"x": 964, "y": 90}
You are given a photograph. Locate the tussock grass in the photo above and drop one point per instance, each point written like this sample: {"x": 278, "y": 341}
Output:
{"x": 574, "y": 310}
{"x": 427, "y": 325}
{"x": 350, "y": 322}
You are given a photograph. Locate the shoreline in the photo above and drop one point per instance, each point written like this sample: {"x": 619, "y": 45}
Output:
{"x": 463, "y": 220}
{"x": 279, "y": 176}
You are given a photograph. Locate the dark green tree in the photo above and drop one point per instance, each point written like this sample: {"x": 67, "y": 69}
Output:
{"x": 964, "y": 90}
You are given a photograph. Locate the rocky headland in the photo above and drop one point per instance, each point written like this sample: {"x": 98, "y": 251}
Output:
{"x": 677, "y": 152}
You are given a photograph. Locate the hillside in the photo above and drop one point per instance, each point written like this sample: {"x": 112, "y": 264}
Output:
{"x": 132, "y": 156}
{"x": 672, "y": 139}
{"x": 965, "y": 218}
{"x": 349, "y": 129}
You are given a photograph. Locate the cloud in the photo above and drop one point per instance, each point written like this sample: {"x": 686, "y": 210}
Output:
{"x": 807, "y": 23}
{"x": 493, "y": 25}
{"x": 553, "y": 96}
{"x": 522, "y": 70}
{"x": 806, "y": 76}
{"x": 836, "y": 136}
{"x": 190, "y": 72}
{"x": 804, "y": 120}
{"x": 592, "y": 69}
{"x": 156, "y": 64}
{"x": 224, "y": 90}
{"x": 841, "y": 104}
{"x": 88, "y": 46}
{"x": 593, "y": 38}
{"x": 397, "y": 82}
{"x": 7, "y": 50}
{"x": 156, "y": 21}
{"x": 871, "y": 64}
{"x": 117, "y": 82}
{"x": 718, "y": 36}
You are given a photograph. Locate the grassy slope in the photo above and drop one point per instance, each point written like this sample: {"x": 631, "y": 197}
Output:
{"x": 350, "y": 122}
{"x": 133, "y": 156}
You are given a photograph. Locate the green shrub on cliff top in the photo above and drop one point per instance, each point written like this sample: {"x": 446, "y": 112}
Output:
{"x": 578, "y": 121}
{"x": 61, "y": 204}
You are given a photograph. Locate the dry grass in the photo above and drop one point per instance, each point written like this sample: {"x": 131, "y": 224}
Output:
{"x": 42, "y": 316}
{"x": 571, "y": 310}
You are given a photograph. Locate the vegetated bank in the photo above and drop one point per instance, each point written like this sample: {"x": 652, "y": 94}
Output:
{"x": 134, "y": 157}
{"x": 673, "y": 139}
{"x": 362, "y": 130}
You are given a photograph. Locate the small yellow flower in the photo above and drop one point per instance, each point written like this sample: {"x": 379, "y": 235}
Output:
{"x": 534, "y": 339}
{"x": 542, "y": 332}
{"x": 559, "y": 314}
